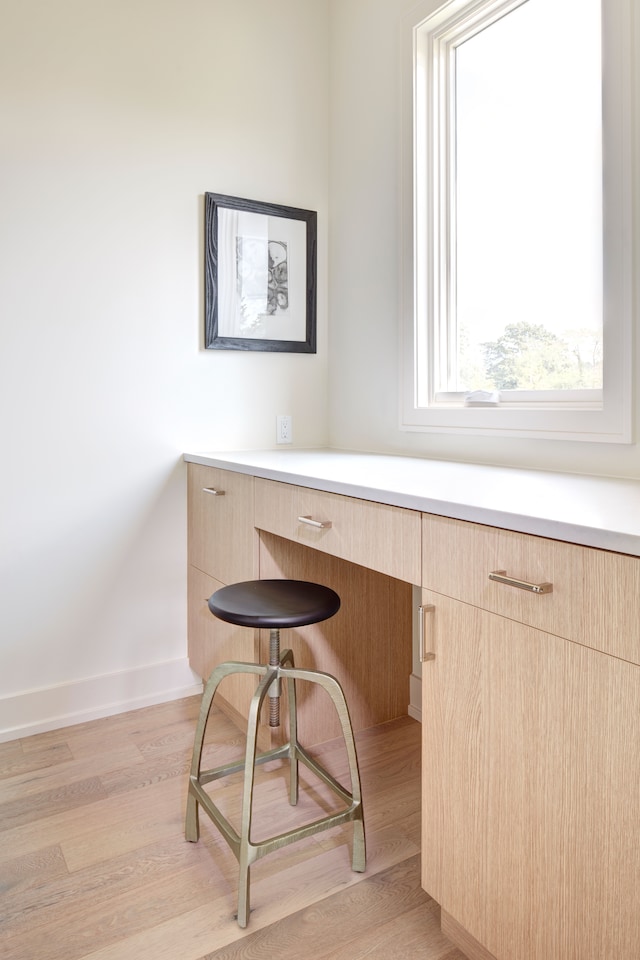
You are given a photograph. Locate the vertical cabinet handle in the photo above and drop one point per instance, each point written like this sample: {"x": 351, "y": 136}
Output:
{"x": 213, "y": 491}
{"x": 425, "y": 654}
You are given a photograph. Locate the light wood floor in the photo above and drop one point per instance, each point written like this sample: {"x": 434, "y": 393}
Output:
{"x": 94, "y": 865}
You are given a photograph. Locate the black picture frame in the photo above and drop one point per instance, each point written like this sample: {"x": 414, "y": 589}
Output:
{"x": 260, "y": 276}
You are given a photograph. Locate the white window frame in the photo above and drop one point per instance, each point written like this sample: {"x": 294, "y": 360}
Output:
{"x": 603, "y": 417}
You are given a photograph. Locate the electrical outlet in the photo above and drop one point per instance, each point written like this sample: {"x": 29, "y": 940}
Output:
{"x": 284, "y": 428}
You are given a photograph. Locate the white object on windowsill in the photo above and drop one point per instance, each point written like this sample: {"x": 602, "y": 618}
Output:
{"x": 482, "y": 398}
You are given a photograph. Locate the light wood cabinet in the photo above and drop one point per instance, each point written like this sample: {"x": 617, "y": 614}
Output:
{"x": 222, "y": 549}
{"x": 366, "y": 645}
{"x": 531, "y": 702}
{"x": 531, "y": 760}
{"x": 374, "y": 535}
{"x": 595, "y": 598}
{"x": 221, "y": 536}
{"x": 212, "y": 641}
{"x": 242, "y": 528}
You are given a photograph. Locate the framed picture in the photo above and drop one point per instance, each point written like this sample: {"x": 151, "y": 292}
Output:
{"x": 260, "y": 276}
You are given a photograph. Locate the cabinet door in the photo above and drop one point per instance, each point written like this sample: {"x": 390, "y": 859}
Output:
{"x": 222, "y": 541}
{"x": 531, "y": 780}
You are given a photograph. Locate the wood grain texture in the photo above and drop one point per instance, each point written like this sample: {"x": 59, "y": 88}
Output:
{"x": 26, "y": 763}
{"x": 530, "y": 782}
{"x": 222, "y": 546}
{"x": 221, "y": 537}
{"x": 375, "y": 535}
{"x": 213, "y": 641}
{"x": 112, "y": 878}
{"x": 458, "y": 935}
{"x": 366, "y": 645}
{"x": 385, "y": 916}
{"x": 47, "y": 803}
{"x": 596, "y": 594}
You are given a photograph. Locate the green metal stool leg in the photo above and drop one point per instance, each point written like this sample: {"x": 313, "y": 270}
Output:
{"x": 247, "y": 853}
{"x": 287, "y": 659}
{"x": 192, "y": 821}
{"x": 333, "y": 688}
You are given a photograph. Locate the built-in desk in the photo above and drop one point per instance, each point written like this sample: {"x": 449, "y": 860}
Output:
{"x": 531, "y": 680}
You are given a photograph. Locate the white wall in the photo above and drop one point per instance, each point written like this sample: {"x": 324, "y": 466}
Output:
{"x": 116, "y": 118}
{"x": 364, "y": 243}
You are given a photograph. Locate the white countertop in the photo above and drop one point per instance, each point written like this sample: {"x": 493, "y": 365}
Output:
{"x": 593, "y": 511}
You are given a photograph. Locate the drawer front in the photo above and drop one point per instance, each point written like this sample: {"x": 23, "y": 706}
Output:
{"x": 221, "y": 538}
{"x": 595, "y": 597}
{"x": 373, "y": 535}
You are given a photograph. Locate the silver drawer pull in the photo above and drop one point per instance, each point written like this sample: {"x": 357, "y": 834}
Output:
{"x": 424, "y": 653}
{"x": 500, "y": 576}
{"x": 319, "y": 524}
{"x": 213, "y": 491}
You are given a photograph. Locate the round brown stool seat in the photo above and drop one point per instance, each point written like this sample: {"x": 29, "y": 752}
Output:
{"x": 273, "y": 605}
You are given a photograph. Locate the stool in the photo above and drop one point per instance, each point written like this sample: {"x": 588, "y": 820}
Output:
{"x": 273, "y": 605}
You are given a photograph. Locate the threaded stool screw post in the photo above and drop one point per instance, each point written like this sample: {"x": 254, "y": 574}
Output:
{"x": 274, "y": 661}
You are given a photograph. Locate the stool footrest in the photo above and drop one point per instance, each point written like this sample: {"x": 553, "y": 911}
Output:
{"x": 257, "y": 850}
{"x": 235, "y": 766}
{"x": 325, "y": 776}
{"x": 278, "y": 753}
{"x": 209, "y": 807}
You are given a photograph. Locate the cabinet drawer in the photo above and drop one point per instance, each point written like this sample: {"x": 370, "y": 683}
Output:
{"x": 373, "y": 535}
{"x": 221, "y": 535}
{"x": 595, "y": 597}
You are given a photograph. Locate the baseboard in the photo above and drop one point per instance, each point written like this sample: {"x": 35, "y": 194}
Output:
{"x": 415, "y": 697}
{"x": 65, "y": 704}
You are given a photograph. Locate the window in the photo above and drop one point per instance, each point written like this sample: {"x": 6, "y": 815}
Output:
{"x": 517, "y": 212}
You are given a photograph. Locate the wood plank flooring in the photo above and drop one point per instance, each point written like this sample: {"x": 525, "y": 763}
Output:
{"x": 94, "y": 865}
